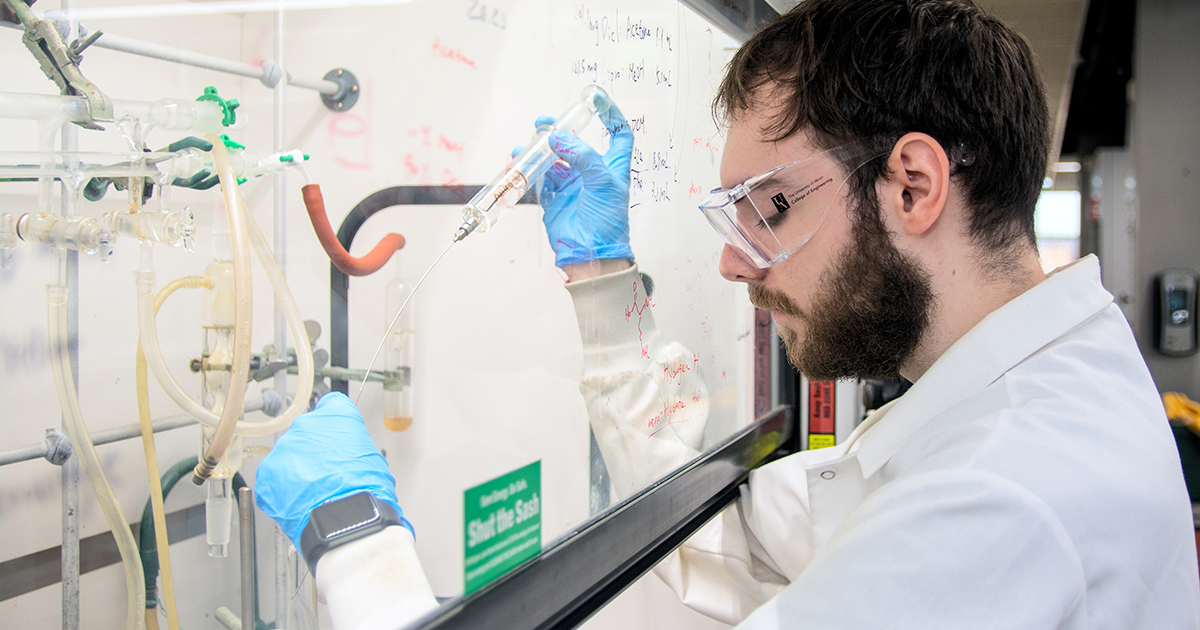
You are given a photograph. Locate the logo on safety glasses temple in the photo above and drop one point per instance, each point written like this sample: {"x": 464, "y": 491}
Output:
{"x": 781, "y": 202}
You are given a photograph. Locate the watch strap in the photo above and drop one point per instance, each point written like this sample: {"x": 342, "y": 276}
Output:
{"x": 357, "y": 522}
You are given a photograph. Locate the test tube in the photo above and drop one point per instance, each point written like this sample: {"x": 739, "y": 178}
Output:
{"x": 398, "y": 358}
{"x": 490, "y": 203}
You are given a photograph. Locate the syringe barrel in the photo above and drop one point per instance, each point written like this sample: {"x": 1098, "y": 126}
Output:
{"x": 493, "y": 200}
{"x": 593, "y": 102}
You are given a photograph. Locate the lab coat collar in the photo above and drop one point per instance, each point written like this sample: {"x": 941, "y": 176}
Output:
{"x": 1070, "y": 296}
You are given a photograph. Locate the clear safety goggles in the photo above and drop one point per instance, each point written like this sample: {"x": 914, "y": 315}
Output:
{"x": 769, "y": 216}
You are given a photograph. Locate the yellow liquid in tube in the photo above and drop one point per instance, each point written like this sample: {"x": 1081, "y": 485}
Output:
{"x": 399, "y": 351}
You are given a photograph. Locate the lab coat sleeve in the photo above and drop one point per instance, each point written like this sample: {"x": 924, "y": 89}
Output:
{"x": 375, "y": 583}
{"x": 961, "y": 549}
{"x": 648, "y": 404}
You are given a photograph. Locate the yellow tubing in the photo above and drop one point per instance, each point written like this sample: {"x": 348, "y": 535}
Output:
{"x": 287, "y": 303}
{"x": 64, "y": 382}
{"x": 156, "y": 497}
{"x": 243, "y": 303}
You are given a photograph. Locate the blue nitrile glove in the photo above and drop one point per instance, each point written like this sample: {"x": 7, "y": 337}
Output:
{"x": 326, "y": 454}
{"x": 586, "y": 200}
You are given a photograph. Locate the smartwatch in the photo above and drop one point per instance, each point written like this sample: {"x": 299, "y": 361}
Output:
{"x": 335, "y": 523}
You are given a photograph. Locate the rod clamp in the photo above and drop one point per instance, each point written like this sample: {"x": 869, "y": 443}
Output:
{"x": 58, "y": 447}
{"x": 272, "y": 72}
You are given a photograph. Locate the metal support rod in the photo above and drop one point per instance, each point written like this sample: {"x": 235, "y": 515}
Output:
{"x": 115, "y": 434}
{"x": 70, "y": 543}
{"x": 70, "y": 470}
{"x": 280, "y": 241}
{"x": 246, "y": 541}
{"x": 279, "y": 225}
{"x": 26, "y": 453}
{"x": 268, "y": 74}
{"x": 282, "y": 545}
{"x": 208, "y": 62}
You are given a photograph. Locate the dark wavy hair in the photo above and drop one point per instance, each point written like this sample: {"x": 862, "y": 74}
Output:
{"x": 872, "y": 70}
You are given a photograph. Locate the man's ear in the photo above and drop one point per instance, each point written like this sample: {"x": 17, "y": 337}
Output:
{"x": 916, "y": 193}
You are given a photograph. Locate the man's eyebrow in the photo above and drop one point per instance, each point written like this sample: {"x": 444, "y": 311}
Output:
{"x": 731, "y": 182}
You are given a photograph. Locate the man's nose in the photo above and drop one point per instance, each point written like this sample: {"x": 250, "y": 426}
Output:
{"x": 735, "y": 267}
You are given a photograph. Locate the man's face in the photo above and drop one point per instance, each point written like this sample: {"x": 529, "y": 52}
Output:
{"x": 848, "y": 303}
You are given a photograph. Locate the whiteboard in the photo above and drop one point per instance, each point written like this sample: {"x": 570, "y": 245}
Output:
{"x": 448, "y": 88}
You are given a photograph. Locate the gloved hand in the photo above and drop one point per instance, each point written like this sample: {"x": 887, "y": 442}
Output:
{"x": 585, "y": 195}
{"x": 326, "y": 454}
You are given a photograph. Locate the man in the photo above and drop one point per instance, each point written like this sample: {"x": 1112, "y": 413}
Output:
{"x": 881, "y": 168}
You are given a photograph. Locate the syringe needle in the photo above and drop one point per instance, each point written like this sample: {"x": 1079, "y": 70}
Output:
{"x": 466, "y": 228}
{"x": 396, "y": 319}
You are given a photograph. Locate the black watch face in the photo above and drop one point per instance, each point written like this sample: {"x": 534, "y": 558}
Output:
{"x": 344, "y": 516}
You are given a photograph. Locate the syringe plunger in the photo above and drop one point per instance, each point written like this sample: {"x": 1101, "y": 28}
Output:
{"x": 491, "y": 202}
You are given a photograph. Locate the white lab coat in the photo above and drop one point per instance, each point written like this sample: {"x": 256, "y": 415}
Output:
{"x": 1028, "y": 480}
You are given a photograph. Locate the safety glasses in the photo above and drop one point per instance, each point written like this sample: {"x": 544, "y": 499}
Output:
{"x": 769, "y": 216}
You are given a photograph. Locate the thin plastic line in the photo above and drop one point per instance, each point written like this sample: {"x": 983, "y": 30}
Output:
{"x": 395, "y": 319}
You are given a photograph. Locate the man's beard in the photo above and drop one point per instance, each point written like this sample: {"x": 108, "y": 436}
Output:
{"x": 869, "y": 313}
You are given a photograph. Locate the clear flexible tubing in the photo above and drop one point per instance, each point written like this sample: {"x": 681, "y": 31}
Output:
{"x": 156, "y": 496}
{"x": 242, "y": 307}
{"x": 287, "y": 303}
{"x": 308, "y": 180}
{"x": 242, "y": 323}
{"x": 304, "y": 362}
{"x": 64, "y": 382}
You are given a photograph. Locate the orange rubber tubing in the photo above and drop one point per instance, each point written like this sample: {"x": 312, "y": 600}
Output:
{"x": 349, "y": 265}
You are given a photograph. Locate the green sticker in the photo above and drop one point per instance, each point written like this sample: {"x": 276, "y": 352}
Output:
{"x": 502, "y": 525}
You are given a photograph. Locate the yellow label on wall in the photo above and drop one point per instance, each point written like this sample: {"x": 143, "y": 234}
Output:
{"x": 820, "y": 440}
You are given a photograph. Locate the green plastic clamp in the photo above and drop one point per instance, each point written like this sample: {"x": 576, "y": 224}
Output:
{"x": 227, "y": 106}
{"x": 233, "y": 145}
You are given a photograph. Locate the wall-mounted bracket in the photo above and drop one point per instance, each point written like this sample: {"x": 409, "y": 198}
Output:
{"x": 347, "y": 94}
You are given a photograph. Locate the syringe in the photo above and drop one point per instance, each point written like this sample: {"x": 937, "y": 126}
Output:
{"x": 491, "y": 202}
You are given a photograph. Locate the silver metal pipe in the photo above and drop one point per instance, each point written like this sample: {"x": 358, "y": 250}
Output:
{"x": 264, "y": 74}
{"x": 70, "y": 543}
{"x": 280, "y": 238}
{"x": 267, "y": 74}
{"x": 246, "y": 531}
{"x": 320, "y": 85}
{"x": 116, "y": 434}
{"x": 279, "y": 217}
{"x": 25, "y": 453}
{"x": 175, "y": 55}
{"x": 70, "y": 471}
{"x": 282, "y": 545}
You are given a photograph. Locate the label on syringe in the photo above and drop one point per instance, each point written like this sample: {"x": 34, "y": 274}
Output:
{"x": 514, "y": 183}
{"x": 492, "y": 201}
